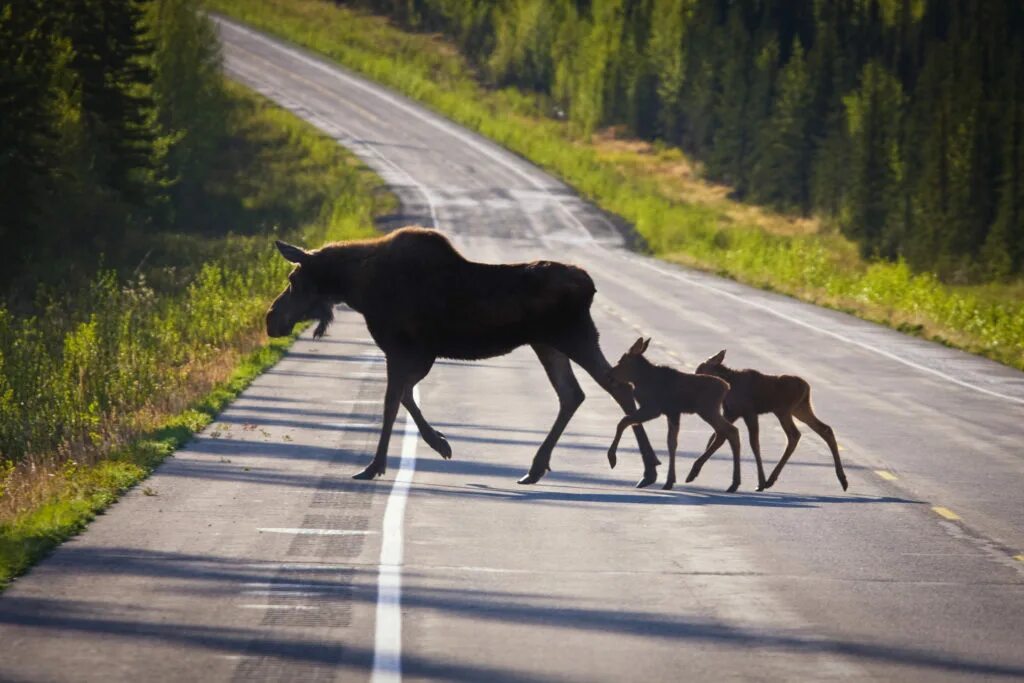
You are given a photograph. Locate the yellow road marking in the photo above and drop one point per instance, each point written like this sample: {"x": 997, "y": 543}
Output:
{"x": 945, "y": 512}
{"x": 885, "y": 474}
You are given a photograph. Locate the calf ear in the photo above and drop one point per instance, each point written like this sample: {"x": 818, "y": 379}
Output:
{"x": 637, "y": 348}
{"x": 717, "y": 358}
{"x": 646, "y": 344}
{"x": 291, "y": 252}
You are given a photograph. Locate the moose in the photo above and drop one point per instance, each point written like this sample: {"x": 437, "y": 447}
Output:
{"x": 422, "y": 300}
{"x": 661, "y": 390}
{"x": 752, "y": 393}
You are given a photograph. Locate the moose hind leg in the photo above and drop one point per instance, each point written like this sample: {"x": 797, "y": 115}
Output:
{"x": 570, "y": 396}
{"x": 589, "y": 357}
{"x": 805, "y": 414}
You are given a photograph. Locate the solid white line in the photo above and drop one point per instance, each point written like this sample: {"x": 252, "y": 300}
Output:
{"x": 796, "y": 321}
{"x": 387, "y": 649}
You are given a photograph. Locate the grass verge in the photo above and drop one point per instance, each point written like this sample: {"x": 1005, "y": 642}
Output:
{"x": 86, "y": 490}
{"x": 682, "y": 218}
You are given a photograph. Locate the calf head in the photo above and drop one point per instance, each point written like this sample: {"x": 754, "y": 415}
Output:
{"x": 301, "y": 299}
{"x": 632, "y": 363}
{"x": 713, "y": 365}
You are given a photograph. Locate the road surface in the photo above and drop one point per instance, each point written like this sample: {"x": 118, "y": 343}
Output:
{"x": 259, "y": 559}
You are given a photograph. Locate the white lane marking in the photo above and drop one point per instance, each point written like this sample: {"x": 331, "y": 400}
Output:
{"x": 796, "y": 321}
{"x": 316, "y": 532}
{"x": 387, "y": 649}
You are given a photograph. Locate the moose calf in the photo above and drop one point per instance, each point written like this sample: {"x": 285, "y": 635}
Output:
{"x": 661, "y": 390}
{"x": 752, "y": 393}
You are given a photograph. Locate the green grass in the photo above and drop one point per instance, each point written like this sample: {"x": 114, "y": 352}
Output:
{"x": 99, "y": 383}
{"x": 87, "y": 489}
{"x": 679, "y": 225}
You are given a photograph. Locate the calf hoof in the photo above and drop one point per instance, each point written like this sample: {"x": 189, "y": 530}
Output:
{"x": 668, "y": 485}
{"x": 648, "y": 479}
{"x": 843, "y": 483}
{"x": 612, "y": 459}
{"x": 692, "y": 475}
{"x": 442, "y": 447}
{"x": 371, "y": 472}
{"x": 762, "y": 485}
{"x": 732, "y": 489}
{"x": 529, "y": 478}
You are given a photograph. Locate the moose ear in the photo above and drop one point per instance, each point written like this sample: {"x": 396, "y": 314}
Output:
{"x": 291, "y": 252}
{"x": 637, "y": 348}
{"x": 646, "y": 344}
{"x": 717, "y": 358}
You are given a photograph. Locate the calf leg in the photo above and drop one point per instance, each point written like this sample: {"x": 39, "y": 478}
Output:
{"x": 715, "y": 442}
{"x": 402, "y": 375}
{"x": 673, "y": 441}
{"x": 755, "y": 446}
{"x": 570, "y": 396}
{"x": 805, "y": 414}
{"x": 590, "y": 358}
{"x": 724, "y": 431}
{"x": 793, "y": 436}
{"x": 636, "y": 418}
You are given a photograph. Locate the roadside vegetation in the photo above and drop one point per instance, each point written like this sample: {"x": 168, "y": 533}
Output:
{"x": 134, "y": 299}
{"x": 926, "y": 237}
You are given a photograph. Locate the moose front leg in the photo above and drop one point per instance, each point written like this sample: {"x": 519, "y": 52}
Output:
{"x": 397, "y": 385}
{"x": 433, "y": 437}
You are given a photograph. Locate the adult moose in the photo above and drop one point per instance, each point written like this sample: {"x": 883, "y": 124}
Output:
{"x": 422, "y": 300}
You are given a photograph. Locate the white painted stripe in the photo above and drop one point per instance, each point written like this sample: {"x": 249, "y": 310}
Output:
{"x": 317, "y": 532}
{"x": 835, "y": 335}
{"x": 387, "y": 650}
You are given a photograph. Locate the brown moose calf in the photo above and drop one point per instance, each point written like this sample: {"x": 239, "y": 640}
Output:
{"x": 752, "y": 393}
{"x": 661, "y": 390}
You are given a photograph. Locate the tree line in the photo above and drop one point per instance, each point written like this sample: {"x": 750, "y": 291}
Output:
{"x": 111, "y": 110}
{"x": 901, "y": 121}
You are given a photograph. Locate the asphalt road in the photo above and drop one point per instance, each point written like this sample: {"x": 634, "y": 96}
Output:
{"x": 256, "y": 557}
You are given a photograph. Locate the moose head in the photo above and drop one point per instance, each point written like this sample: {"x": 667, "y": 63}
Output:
{"x": 301, "y": 300}
{"x": 632, "y": 363}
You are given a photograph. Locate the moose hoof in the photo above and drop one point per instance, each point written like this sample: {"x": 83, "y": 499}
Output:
{"x": 443, "y": 447}
{"x": 762, "y": 485}
{"x": 843, "y": 483}
{"x": 692, "y": 475}
{"x": 648, "y": 479}
{"x": 612, "y": 460}
{"x": 732, "y": 489}
{"x": 668, "y": 486}
{"x": 529, "y": 478}
{"x": 770, "y": 483}
{"x": 368, "y": 474}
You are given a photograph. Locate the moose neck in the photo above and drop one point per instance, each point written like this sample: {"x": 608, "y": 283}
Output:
{"x": 726, "y": 373}
{"x": 338, "y": 272}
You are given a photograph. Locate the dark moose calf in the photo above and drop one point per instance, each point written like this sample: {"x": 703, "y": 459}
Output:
{"x": 752, "y": 393}
{"x": 661, "y": 390}
{"x": 423, "y": 300}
